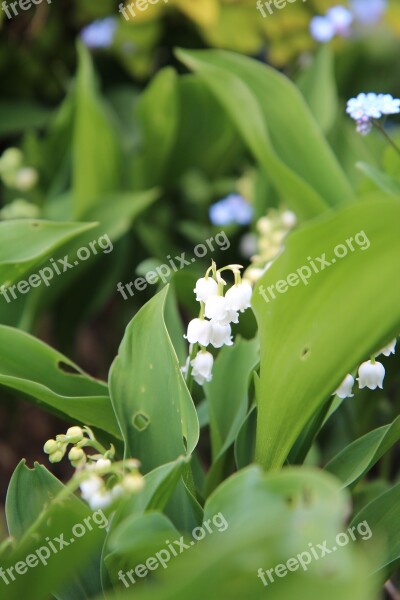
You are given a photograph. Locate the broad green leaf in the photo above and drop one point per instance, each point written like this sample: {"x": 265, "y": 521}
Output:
{"x": 362, "y": 454}
{"x": 383, "y": 518}
{"x": 35, "y": 517}
{"x": 17, "y": 117}
{"x": 40, "y": 240}
{"x": 160, "y": 484}
{"x": 217, "y": 142}
{"x": 116, "y": 213}
{"x": 149, "y": 393}
{"x": 31, "y": 369}
{"x": 317, "y": 84}
{"x": 228, "y": 401}
{"x": 227, "y": 393}
{"x": 157, "y": 112}
{"x": 245, "y": 444}
{"x": 385, "y": 182}
{"x": 96, "y": 151}
{"x": 133, "y": 542}
{"x": 314, "y": 333}
{"x": 276, "y": 124}
{"x": 257, "y": 521}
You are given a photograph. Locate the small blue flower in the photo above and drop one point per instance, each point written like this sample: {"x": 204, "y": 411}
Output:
{"x": 232, "y": 209}
{"x": 321, "y": 29}
{"x": 99, "y": 34}
{"x": 368, "y": 11}
{"x": 337, "y": 21}
{"x": 365, "y": 107}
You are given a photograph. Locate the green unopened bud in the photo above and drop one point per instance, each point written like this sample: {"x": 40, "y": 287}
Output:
{"x": 74, "y": 435}
{"x": 25, "y": 179}
{"x": 77, "y": 455}
{"x": 50, "y": 447}
{"x": 56, "y": 457}
{"x": 11, "y": 159}
{"x": 133, "y": 483}
{"x": 103, "y": 466}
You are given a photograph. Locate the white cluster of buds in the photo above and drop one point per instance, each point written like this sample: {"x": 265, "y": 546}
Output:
{"x": 122, "y": 480}
{"x": 14, "y": 173}
{"x": 370, "y": 374}
{"x": 101, "y": 480}
{"x": 57, "y": 448}
{"x": 271, "y": 233}
{"x": 217, "y": 312}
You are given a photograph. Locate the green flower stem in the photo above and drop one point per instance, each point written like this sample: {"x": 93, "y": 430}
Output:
{"x": 386, "y": 135}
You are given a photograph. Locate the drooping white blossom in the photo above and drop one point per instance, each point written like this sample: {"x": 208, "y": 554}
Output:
{"x": 202, "y": 366}
{"x": 371, "y": 375}
{"x": 205, "y": 288}
{"x": 238, "y": 296}
{"x": 345, "y": 388}
{"x": 198, "y": 332}
{"x": 220, "y": 335}
{"x": 389, "y": 349}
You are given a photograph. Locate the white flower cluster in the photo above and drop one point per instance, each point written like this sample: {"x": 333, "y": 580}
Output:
{"x": 98, "y": 493}
{"x": 370, "y": 374}
{"x": 122, "y": 478}
{"x": 366, "y": 107}
{"x": 218, "y": 311}
{"x": 272, "y": 231}
{"x": 14, "y": 173}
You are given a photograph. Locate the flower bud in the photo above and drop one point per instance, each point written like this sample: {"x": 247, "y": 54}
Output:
{"x": 133, "y": 483}
{"x": 25, "y": 179}
{"x": 11, "y": 159}
{"x": 50, "y": 447}
{"x": 74, "y": 435}
{"x": 103, "y": 466}
{"x": 76, "y": 455}
{"x": 56, "y": 457}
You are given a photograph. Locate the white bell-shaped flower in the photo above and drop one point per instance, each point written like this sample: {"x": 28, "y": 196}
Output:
{"x": 288, "y": 219}
{"x": 389, "y": 349}
{"x": 219, "y": 311}
{"x": 238, "y": 297}
{"x": 205, "y": 288}
{"x": 202, "y": 366}
{"x": 101, "y": 500}
{"x": 345, "y": 388}
{"x": 103, "y": 466}
{"x": 91, "y": 486}
{"x": 216, "y": 308}
{"x": 220, "y": 335}
{"x": 371, "y": 375}
{"x": 198, "y": 332}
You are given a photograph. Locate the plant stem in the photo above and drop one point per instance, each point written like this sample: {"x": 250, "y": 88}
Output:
{"x": 391, "y": 590}
{"x": 386, "y": 135}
